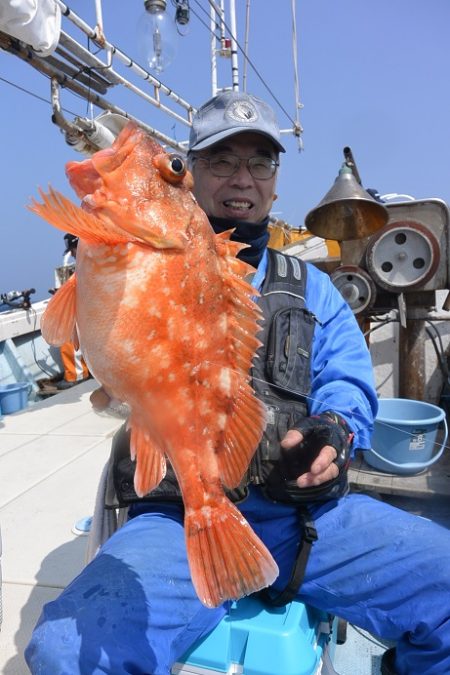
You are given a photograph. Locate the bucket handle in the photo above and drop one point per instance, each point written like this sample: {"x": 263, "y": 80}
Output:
{"x": 417, "y": 466}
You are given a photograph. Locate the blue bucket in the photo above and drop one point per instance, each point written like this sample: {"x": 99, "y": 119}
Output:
{"x": 13, "y": 397}
{"x": 404, "y": 438}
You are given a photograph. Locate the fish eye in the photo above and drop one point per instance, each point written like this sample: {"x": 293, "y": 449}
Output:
{"x": 177, "y": 164}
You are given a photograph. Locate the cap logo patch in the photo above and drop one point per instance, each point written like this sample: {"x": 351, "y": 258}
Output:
{"x": 242, "y": 111}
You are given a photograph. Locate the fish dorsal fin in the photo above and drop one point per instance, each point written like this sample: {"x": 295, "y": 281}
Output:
{"x": 246, "y": 415}
{"x": 150, "y": 461}
{"x": 58, "y": 321}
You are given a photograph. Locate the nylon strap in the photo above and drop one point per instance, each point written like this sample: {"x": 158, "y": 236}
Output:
{"x": 309, "y": 536}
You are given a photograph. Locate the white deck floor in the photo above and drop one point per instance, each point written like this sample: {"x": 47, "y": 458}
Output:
{"x": 51, "y": 456}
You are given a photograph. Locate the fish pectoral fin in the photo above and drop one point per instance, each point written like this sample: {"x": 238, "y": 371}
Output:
{"x": 58, "y": 320}
{"x": 63, "y": 214}
{"x": 226, "y": 558}
{"x": 241, "y": 416}
{"x": 243, "y": 430}
{"x": 150, "y": 460}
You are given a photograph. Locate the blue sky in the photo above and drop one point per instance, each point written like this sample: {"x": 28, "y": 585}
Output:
{"x": 374, "y": 76}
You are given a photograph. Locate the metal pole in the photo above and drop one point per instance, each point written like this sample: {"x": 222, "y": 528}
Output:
{"x": 234, "y": 55}
{"x": 222, "y": 21}
{"x": 99, "y": 14}
{"x": 247, "y": 32}
{"x": 411, "y": 359}
{"x": 212, "y": 13}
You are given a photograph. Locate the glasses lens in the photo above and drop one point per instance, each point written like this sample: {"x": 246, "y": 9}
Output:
{"x": 224, "y": 165}
{"x": 262, "y": 167}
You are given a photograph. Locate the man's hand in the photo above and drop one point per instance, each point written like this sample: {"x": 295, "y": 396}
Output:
{"x": 322, "y": 468}
{"x": 317, "y": 450}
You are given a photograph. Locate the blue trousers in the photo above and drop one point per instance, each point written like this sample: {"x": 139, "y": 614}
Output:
{"x": 133, "y": 608}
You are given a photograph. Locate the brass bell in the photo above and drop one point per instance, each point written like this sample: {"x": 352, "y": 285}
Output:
{"x": 347, "y": 211}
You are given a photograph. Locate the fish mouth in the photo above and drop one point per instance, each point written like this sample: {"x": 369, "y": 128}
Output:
{"x": 83, "y": 177}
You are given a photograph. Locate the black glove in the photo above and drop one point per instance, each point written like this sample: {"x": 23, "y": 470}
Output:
{"x": 328, "y": 428}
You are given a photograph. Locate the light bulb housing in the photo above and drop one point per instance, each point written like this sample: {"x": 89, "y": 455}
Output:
{"x": 155, "y": 6}
{"x": 182, "y": 13}
{"x": 157, "y": 36}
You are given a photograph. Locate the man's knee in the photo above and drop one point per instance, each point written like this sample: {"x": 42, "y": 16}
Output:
{"x": 51, "y": 649}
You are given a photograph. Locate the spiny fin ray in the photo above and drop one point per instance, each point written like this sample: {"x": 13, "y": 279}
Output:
{"x": 242, "y": 413}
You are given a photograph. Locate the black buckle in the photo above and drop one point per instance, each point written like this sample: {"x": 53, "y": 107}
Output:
{"x": 310, "y": 533}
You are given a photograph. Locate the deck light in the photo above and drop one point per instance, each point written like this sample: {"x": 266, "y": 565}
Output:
{"x": 157, "y": 36}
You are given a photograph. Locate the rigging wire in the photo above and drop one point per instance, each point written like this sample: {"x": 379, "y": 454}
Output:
{"x": 255, "y": 70}
{"x": 203, "y": 22}
{"x": 348, "y": 412}
{"x": 40, "y": 98}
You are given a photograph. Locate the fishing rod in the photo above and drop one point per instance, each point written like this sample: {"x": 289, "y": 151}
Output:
{"x": 17, "y": 299}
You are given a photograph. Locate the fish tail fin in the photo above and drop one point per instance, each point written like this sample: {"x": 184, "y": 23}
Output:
{"x": 226, "y": 558}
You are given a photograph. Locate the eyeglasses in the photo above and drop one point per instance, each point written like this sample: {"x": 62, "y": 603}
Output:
{"x": 226, "y": 165}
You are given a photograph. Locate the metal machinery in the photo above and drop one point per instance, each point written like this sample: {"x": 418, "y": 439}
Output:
{"x": 394, "y": 257}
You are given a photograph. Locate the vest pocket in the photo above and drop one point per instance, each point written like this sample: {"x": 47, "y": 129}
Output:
{"x": 288, "y": 349}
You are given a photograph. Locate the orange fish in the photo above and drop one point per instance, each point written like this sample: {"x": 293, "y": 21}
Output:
{"x": 167, "y": 324}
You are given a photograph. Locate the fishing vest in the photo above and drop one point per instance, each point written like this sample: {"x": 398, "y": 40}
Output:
{"x": 281, "y": 378}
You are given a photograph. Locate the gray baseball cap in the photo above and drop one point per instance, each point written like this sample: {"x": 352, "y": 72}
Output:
{"x": 230, "y": 113}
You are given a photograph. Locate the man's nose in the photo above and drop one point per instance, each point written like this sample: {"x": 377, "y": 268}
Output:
{"x": 242, "y": 176}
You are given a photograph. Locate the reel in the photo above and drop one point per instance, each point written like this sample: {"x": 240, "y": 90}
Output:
{"x": 402, "y": 256}
{"x": 355, "y": 286}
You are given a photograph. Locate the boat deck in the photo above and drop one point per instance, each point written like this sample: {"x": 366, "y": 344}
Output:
{"x": 433, "y": 483}
{"x": 51, "y": 457}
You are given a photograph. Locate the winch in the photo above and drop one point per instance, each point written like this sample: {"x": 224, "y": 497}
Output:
{"x": 394, "y": 256}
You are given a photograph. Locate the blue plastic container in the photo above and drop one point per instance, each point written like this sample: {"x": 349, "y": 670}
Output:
{"x": 255, "y": 639}
{"x": 404, "y": 438}
{"x": 13, "y": 397}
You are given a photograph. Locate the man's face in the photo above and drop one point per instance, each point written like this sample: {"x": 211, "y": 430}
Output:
{"x": 240, "y": 196}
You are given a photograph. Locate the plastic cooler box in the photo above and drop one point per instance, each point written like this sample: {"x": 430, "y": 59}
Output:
{"x": 254, "y": 639}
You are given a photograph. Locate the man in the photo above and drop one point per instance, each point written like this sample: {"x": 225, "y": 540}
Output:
{"x": 133, "y": 609}
{"x": 74, "y": 366}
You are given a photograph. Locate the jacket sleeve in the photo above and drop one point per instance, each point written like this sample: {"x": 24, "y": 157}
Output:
{"x": 341, "y": 367}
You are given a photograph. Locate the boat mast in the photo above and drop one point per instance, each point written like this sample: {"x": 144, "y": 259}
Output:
{"x": 227, "y": 45}
{"x": 234, "y": 55}
{"x": 215, "y": 13}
